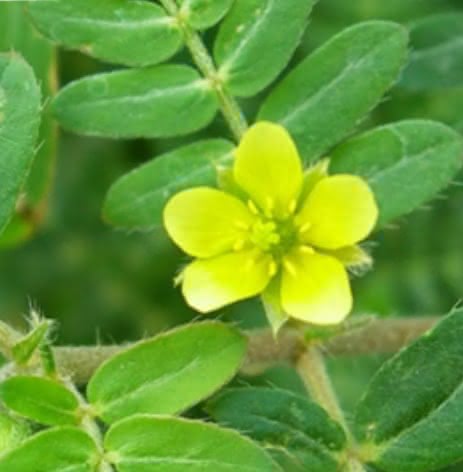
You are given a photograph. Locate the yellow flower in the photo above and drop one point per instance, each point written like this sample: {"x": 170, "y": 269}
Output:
{"x": 285, "y": 235}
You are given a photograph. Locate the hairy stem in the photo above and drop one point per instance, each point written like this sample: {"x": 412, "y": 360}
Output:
{"x": 312, "y": 370}
{"x": 203, "y": 61}
{"x": 379, "y": 336}
{"x": 88, "y": 424}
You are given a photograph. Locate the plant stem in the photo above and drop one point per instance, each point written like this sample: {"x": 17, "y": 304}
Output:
{"x": 203, "y": 61}
{"x": 88, "y": 424}
{"x": 378, "y": 337}
{"x": 311, "y": 368}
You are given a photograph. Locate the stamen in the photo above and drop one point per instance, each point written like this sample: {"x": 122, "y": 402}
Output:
{"x": 252, "y": 207}
{"x": 305, "y": 227}
{"x": 289, "y": 266}
{"x": 306, "y": 249}
{"x": 270, "y": 206}
{"x": 272, "y": 268}
{"x": 292, "y": 206}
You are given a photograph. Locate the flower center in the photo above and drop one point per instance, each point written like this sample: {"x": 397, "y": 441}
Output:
{"x": 274, "y": 236}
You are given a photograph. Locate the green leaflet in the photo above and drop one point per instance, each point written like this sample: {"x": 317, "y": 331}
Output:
{"x": 133, "y": 33}
{"x": 202, "y": 14}
{"x": 40, "y": 399}
{"x": 410, "y": 419}
{"x": 168, "y": 373}
{"x": 137, "y": 199}
{"x": 19, "y": 126}
{"x": 155, "y": 102}
{"x": 18, "y": 34}
{"x": 257, "y": 40}
{"x": 298, "y": 433}
{"x": 327, "y": 95}
{"x": 54, "y": 450}
{"x": 145, "y": 443}
{"x": 406, "y": 163}
{"x": 436, "y": 58}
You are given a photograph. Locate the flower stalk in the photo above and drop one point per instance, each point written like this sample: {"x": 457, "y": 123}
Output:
{"x": 230, "y": 108}
{"x": 312, "y": 370}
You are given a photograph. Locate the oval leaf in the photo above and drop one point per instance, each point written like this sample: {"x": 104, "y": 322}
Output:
{"x": 436, "y": 59}
{"x": 174, "y": 445}
{"x": 411, "y": 418}
{"x": 134, "y": 33}
{"x": 254, "y": 26}
{"x": 137, "y": 199}
{"x": 19, "y": 127}
{"x": 18, "y": 34}
{"x": 40, "y": 399}
{"x": 327, "y": 95}
{"x": 283, "y": 421}
{"x": 169, "y": 373}
{"x": 202, "y": 14}
{"x": 406, "y": 163}
{"x": 155, "y": 102}
{"x": 55, "y": 450}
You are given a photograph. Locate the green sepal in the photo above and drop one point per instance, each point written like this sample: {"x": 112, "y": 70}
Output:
{"x": 26, "y": 347}
{"x": 40, "y": 399}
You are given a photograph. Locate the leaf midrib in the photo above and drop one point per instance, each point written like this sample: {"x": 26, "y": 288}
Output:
{"x": 228, "y": 63}
{"x": 128, "y": 396}
{"x": 139, "y": 99}
{"x": 351, "y": 66}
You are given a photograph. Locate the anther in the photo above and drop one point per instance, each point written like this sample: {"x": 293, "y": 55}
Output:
{"x": 272, "y": 268}
{"x": 304, "y": 228}
{"x": 306, "y": 249}
{"x": 292, "y": 206}
{"x": 289, "y": 266}
{"x": 270, "y": 206}
{"x": 252, "y": 207}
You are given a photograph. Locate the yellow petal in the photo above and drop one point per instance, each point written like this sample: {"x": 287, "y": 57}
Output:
{"x": 210, "y": 284}
{"x": 340, "y": 211}
{"x": 206, "y": 222}
{"x": 313, "y": 175}
{"x": 315, "y": 288}
{"x": 269, "y": 169}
